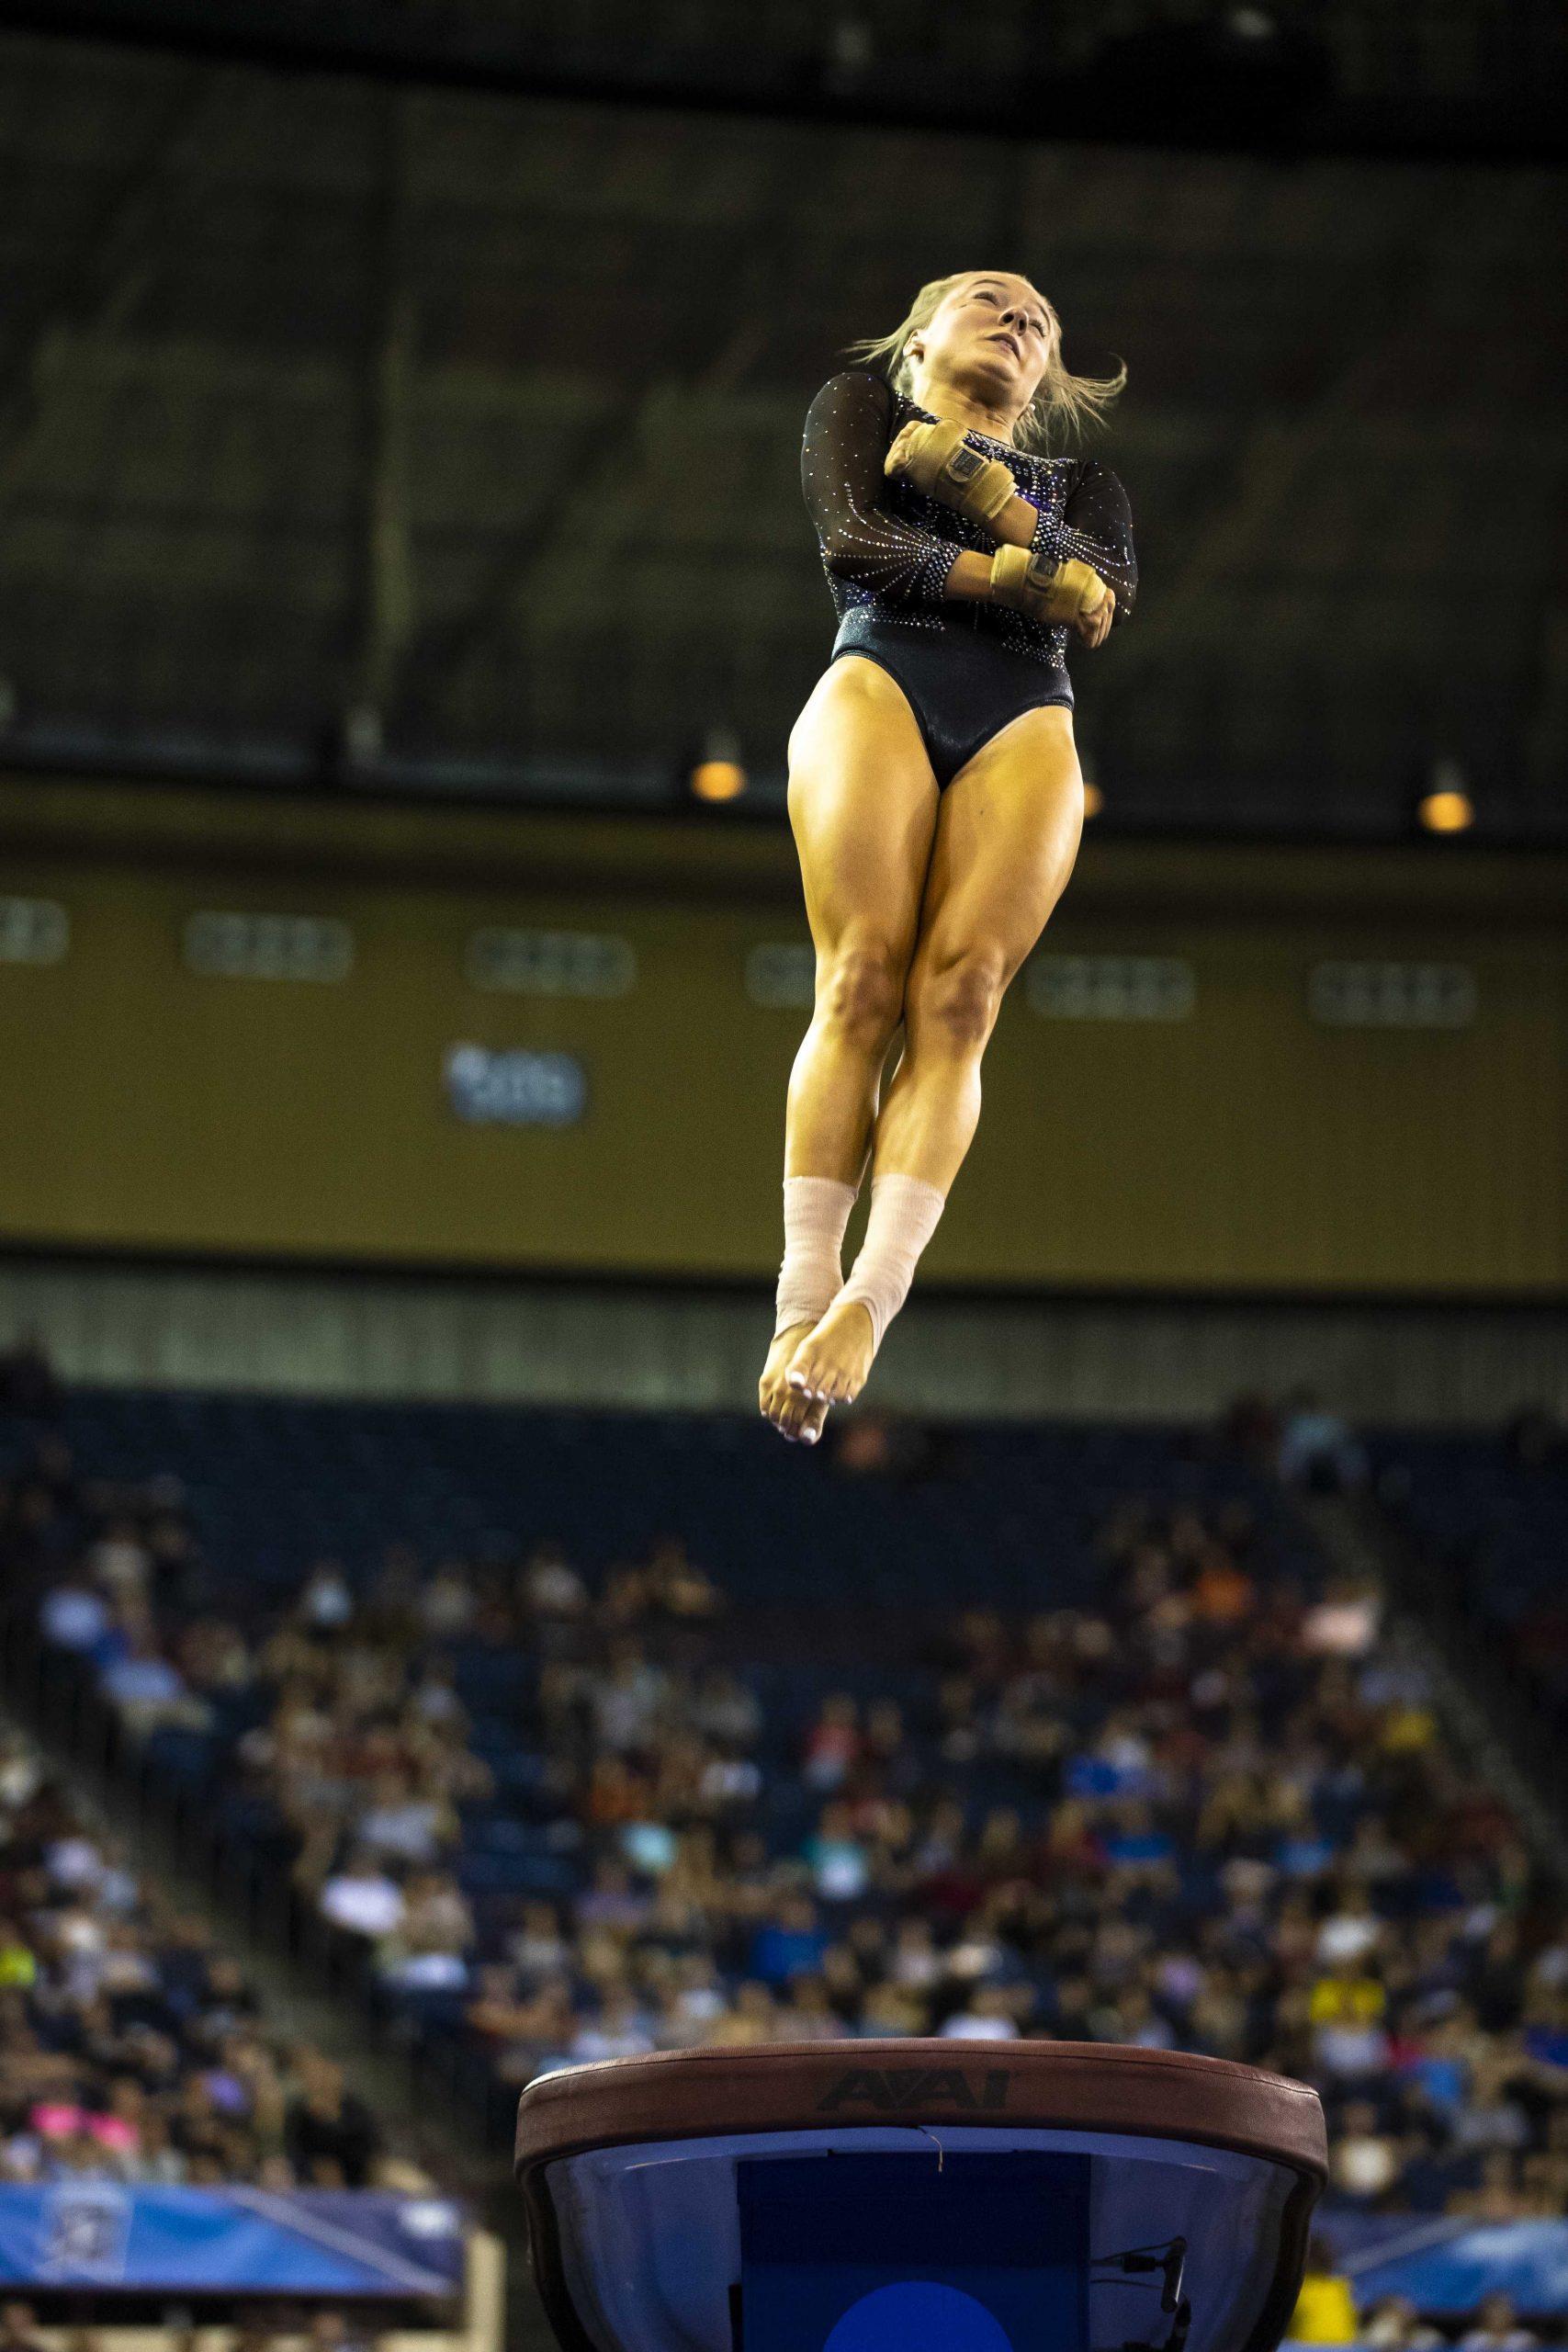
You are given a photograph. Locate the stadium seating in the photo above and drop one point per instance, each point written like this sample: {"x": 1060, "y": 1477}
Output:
{"x": 1493, "y": 1510}
{"x": 543, "y": 1722}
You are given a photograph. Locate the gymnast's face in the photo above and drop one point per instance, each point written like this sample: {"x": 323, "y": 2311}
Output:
{"x": 989, "y": 335}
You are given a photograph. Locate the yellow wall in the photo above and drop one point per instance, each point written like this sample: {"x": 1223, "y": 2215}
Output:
{"x": 1246, "y": 1147}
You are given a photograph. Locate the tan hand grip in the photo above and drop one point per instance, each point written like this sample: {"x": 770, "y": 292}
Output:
{"x": 1027, "y": 583}
{"x": 936, "y": 460}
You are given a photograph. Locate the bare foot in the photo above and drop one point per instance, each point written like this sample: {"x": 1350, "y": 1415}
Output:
{"x": 830, "y": 1364}
{"x": 793, "y": 1415}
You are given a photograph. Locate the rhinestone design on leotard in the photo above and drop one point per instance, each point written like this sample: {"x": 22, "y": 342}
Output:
{"x": 887, "y": 548}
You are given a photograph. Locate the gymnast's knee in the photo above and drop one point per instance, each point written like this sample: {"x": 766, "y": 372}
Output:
{"x": 955, "y": 1001}
{"x": 860, "y": 994}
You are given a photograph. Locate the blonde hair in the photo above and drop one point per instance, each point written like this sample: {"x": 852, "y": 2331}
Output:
{"x": 1061, "y": 398}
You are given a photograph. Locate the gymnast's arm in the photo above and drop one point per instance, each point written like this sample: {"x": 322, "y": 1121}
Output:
{"x": 1096, "y": 528}
{"x": 847, "y": 432}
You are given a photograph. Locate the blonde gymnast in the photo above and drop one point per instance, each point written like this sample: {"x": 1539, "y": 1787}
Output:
{"x": 934, "y": 789}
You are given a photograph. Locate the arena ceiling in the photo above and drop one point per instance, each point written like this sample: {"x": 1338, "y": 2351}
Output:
{"x": 473, "y": 420}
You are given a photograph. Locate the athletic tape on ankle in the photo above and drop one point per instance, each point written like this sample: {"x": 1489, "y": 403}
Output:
{"x": 816, "y": 1209}
{"x": 904, "y": 1215}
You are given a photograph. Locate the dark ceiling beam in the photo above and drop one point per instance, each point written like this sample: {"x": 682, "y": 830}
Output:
{"x": 117, "y": 261}
{"x": 1546, "y": 740}
{"x": 381, "y": 615}
{"x": 1247, "y": 523}
{"x": 435, "y": 43}
{"x": 587, "y": 497}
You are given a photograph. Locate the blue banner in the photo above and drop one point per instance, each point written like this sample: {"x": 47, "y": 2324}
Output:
{"x": 232, "y": 2240}
{"x": 1446, "y": 2266}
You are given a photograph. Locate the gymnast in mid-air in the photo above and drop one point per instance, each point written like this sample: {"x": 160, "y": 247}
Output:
{"x": 934, "y": 789}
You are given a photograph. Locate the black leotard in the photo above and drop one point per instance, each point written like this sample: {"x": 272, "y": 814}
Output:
{"x": 965, "y": 668}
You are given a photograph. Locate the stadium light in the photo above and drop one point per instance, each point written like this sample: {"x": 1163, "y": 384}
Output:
{"x": 718, "y": 773}
{"x": 1444, "y": 807}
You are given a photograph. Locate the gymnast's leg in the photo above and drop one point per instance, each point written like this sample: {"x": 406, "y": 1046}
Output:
{"x": 862, "y": 804}
{"x": 1006, "y": 838}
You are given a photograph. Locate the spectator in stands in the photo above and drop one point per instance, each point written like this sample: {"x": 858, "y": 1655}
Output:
{"x": 1352, "y": 1931}
{"x": 1251, "y": 1427}
{"x": 1394, "y": 2325}
{"x": 1364, "y": 2162}
{"x": 539, "y": 1948}
{"x": 750, "y": 2020}
{"x": 1345, "y": 1622}
{"x": 404, "y": 1824}
{"x": 1326, "y": 2308}
{"x": 550, "y": 1589}
{"x": 619, "y": 2030}
{"x": 725, "y": 1710}
{"x": 363, "y": 1900}
{"x": 625, "y": 1697}
{"x": 677, "y": 1587}
{"x": 326, "y": 1600}
{"x": 833, "y": 1744}
{"x": 28, "y": 1385}
{"x": 18, "y": 2329}
{"x": 74, "y": 1616}
{"x": 120, "y": 1563}
{"x": 427, "y": 1952}
{"x": 253, "y": 2332}
{"x": 792, "y": 1943}
{"x": 140, "y": 1682}
{"x": 444, "y": 1601}
{"x": 839, "y": 1861}
{"x": 1316, "y": 1448}
{"x": 987, "y": 2017}
{"x": 327, "y": 2330}
{"x": 328, "y": 2133}
{"x": 862, "y": 1446}
{"x": 19, "y": 1960}
{"x": 1346, "y": 2007}
{"x": 1498, "y": 2329}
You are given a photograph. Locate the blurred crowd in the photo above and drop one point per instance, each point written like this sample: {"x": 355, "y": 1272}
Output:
{"x": 1493, "y": 1521}
{"x": 278, "y": 2329}
{"x": 131, "y": 2048}
{"x": 1232, "y": 1826}
{"x": 1327, "y": 2312}
{"x": 1213, "y": 1811}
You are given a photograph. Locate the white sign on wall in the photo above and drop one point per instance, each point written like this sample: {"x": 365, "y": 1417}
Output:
{"x": 269, "y": 947}
{"x": 1111, "y": 987}
{"x": 782, "y": 974}
{"x": 551, "y": 963}
{"x": 33, "y": 931}
{"x": 1392, "y": 996}
{"x": 515, "y": 1088}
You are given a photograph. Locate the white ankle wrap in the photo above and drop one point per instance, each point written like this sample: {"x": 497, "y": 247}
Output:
{"x": 904, "y": 1215}
{"x": 816, "y": 1209}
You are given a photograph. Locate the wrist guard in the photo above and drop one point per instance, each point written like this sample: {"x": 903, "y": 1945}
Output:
{"x": 1047, "y": 591}
{"x": 935, "y": 461}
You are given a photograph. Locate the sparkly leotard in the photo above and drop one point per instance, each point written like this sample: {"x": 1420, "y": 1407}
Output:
{"x": 965, "y": 669}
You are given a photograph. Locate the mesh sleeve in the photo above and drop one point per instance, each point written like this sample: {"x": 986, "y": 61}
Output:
{"x": 1096, "y": 528}
{"x": 848, "y": 428}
